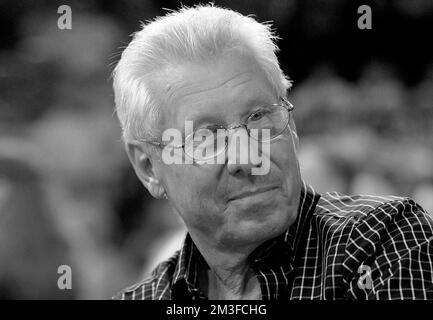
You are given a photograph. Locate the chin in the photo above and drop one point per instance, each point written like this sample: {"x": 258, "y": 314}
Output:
{"x": 256, "y": 231}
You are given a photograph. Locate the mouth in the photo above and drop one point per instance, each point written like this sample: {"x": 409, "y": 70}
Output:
{"x": 251, "y": 193}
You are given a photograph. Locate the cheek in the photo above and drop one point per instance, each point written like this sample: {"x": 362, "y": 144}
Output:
{"x": 283, "y": 155}
{"x": 182, "y": 182}
{"x": 193, "y": 199}
{"x": 191, "y": 189}
{"x": 286, "y": 165}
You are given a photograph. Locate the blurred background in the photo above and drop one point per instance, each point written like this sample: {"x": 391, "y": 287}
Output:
{"x": 68, "y": 196}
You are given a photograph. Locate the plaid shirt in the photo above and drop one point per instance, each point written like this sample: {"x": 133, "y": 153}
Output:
{"x": 340, "y": 247}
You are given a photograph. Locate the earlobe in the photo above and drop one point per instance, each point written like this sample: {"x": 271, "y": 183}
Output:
{"x": 156, "y": 189}
{"x": 144, "y": 169}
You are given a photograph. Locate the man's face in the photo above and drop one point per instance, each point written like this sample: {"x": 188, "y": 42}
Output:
{"x": 223, "y": 203}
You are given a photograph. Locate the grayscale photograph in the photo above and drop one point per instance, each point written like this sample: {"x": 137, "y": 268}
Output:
{"x": 228, "y": 150}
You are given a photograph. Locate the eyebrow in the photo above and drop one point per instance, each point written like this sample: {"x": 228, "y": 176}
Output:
{"x": 256, "y": 102}
{"x": 207, "y": 120}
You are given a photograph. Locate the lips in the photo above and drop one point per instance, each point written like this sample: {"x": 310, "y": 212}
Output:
{"x": 251, "y": 192}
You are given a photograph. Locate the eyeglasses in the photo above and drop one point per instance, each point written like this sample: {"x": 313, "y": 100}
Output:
{"x": 265, "y": 124}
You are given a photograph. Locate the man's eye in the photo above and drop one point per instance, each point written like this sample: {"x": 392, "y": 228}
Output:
{"x": 257, "y": 115}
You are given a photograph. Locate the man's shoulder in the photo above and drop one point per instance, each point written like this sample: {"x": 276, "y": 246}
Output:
{"x": 154, "y": 287}
{"x": 373, "y": 212}
{"x": 344, "y": 206}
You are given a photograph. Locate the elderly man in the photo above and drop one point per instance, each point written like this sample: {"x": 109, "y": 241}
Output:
{"x": 189, "y": 88}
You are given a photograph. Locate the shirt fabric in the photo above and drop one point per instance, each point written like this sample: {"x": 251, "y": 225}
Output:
{"x": 340, "y": 247}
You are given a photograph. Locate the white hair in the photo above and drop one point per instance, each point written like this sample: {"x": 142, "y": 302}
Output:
{"x": 194, "y": 34}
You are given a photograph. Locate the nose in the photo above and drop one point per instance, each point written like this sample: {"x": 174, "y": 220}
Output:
{"x": 238, "y": 153}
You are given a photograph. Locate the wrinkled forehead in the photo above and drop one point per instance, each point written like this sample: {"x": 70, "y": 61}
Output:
{"x": 214, "y": 91}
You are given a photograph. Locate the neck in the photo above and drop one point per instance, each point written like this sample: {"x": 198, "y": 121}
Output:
{"x": 227, "y": 274}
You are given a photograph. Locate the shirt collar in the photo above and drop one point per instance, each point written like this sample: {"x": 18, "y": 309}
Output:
{"x": 186, "y": 268}
{"x": 274, "y": 250}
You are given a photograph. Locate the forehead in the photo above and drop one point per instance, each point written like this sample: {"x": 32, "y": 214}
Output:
{"x": 220, "y": 90}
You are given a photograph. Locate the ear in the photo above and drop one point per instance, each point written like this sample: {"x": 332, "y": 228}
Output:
{"x": 145, "y": 169}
